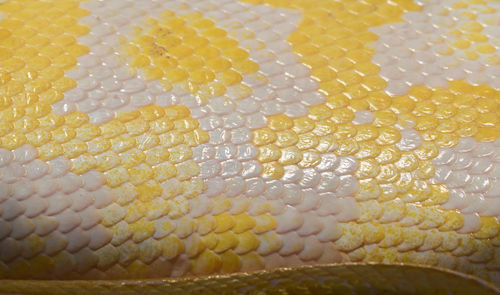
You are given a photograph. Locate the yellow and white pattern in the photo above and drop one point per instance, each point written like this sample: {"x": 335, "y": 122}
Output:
{"x": 169, "y": 138}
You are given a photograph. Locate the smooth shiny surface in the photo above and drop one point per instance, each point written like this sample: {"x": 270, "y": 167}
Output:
{"x": 333, "y": 279}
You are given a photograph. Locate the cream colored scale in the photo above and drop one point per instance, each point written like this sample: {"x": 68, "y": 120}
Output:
{"x": 150, "y": 139}
{"x": 222, "y": 162}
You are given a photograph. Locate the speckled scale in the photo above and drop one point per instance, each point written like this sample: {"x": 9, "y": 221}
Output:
{"x": 169, "y": 139}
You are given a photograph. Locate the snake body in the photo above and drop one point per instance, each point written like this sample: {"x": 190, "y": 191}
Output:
{"x": 169, "y": 139}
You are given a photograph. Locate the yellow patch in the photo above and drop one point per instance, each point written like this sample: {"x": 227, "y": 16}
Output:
{"x": 190, "y": 52}
{"x": 140, "y": 150}
{"x": 332, "y": 40}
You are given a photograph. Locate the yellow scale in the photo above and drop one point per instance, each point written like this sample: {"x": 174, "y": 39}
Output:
{"x": 38, "y": 45}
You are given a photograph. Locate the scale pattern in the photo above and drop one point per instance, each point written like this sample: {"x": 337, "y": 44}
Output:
{"x": 445, "y": 41}
{"x": 153, "y": 139}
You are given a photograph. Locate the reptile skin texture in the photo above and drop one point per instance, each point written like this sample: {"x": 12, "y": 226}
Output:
{"x": 153, "y": 139}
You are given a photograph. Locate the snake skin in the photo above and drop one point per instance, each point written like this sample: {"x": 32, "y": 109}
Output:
{"x": 335, "y": 279}
{"x": 148, "y": 139}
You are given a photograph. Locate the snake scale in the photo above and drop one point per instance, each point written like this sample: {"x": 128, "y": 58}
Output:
{"x": 272, "y": 146}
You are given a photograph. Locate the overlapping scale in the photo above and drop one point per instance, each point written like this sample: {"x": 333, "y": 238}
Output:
{"x": 146, "y": 139}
